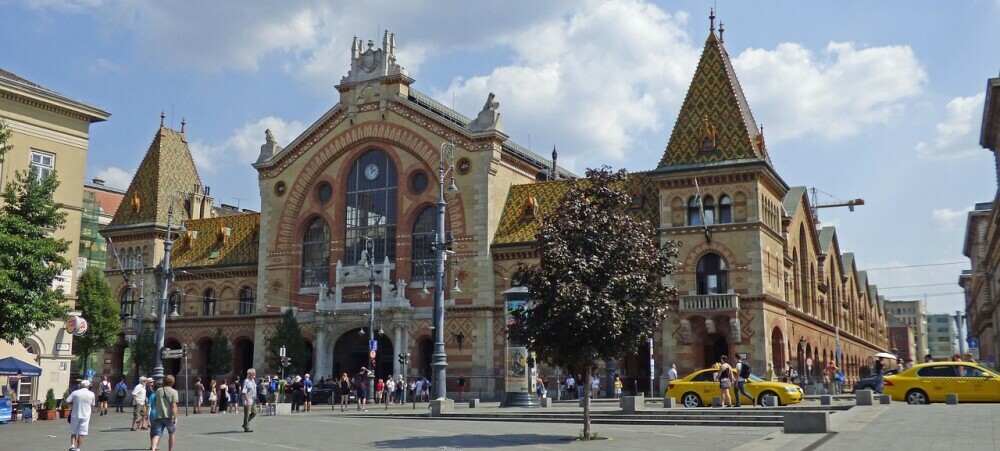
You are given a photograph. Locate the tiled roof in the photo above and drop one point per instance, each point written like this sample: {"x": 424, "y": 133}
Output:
{"x": 516, "y": 228}
{"x": 212, "y": 247}
{"x": 847, "y": 258}
{"x": 167, "y": 168}
{"x": 108, "y": 201}
{"x": 714, "y": 106}
{"x": 826, "y": 235}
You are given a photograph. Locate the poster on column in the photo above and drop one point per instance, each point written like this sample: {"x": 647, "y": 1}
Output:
{"x": 516, "y": 379}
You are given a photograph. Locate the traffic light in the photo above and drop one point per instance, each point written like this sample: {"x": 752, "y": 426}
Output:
{"x": 404, "y": 358}
{"x": 401, "y": 360}
{"x": 283, "y": 359}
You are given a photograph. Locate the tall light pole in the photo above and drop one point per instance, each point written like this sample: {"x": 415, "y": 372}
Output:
{"x": 372, "y": 347}
{"x": 131, "y": 267}
{"x": 958, "y": 325}
{"x": 166, "y": 275}
{"x": 439, "y": 360}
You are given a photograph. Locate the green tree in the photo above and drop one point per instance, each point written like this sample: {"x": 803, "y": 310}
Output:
{"x": 98, "y": 307}
{"x": 597, "y": 292}
{"x": 142, "y": 351}
{"x": 289, "y": 335}
{"x": 220, "y": 359}
{"x": 29, "y": 257}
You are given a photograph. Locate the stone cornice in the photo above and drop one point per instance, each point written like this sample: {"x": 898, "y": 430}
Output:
{"x": 46, "y": 100}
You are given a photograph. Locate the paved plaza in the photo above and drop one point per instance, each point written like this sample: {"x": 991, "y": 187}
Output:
{"x": 899, "y": 426}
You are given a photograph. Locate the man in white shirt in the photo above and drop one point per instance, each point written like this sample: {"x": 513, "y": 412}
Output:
{"x": 249, "y": 396}
{"x": 570, "y": 385}
{"x": 83, "y": 400}
{"x": 138, "y": 402}
{"x": 672, "y": 373}
{"x": 595, "y": 386}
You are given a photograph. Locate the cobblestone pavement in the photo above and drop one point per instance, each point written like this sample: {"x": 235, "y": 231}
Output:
{"x": 935, "y": 427}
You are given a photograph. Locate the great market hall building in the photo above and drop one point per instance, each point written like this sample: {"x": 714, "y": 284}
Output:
{"x": 757, "y": 274}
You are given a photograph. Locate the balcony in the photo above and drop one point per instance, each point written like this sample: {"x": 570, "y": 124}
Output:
{"x": 709, "y": 303}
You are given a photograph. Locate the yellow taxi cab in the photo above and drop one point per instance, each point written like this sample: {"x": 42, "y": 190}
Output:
{"x": 698, "y": 389}
{"x": 932, "y": 382}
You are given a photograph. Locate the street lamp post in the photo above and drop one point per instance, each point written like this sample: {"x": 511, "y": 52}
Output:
{"x": 439, "y": 360}
{"x": 166, "y": 275}
{"x": 370, "y": 250}
{"x": 802, "y": 361}
{"x": 136, "y": 268}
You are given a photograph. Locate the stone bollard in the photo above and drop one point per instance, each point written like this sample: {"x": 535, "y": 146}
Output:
{"x": 807, "y": 422}
{"x": 825, "y": 400}
{"x": 283, "y": 408}
{"x": 770, "y": 401}
{"x": 473, "y": 403}
{"x": 716, "y": 401}
{"x": 884, "y": 399}
{"x": 669, "y": 403}
{"x": 951, "y": 399}
{"x": 584, "y": 401}
{"x": 863, "y": 397}
{"x": 546, "y": 402}
{"x": 633, "y": 404}
{"x": 442, "y": 406}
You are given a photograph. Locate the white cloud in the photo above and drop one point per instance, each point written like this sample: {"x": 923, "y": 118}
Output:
{"x": 243, "y": 146}
{"x": 956, "y": 135}
{"x": 115, "y": 177}
{"x": 834, "y": 94}
{"x": 949, "y": 219}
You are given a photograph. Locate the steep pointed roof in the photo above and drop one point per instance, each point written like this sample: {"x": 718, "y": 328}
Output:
{"x": 167, "y": 168}
{"x": 714, "y": 110}
{"x": 826, "y": 235}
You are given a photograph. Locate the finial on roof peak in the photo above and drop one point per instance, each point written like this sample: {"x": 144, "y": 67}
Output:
{"x": 711, "y": 20}
{"x": 722, "y": 29}
{"x": 183, "y": 123}
{"x": 163, "y": 116}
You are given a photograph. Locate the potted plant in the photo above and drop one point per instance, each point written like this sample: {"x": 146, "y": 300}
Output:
{"x": 48, "y": 412}
{"x": 65, "y": 407}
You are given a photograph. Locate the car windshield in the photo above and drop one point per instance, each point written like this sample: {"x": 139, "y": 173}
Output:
{"x": 755, "y": 379}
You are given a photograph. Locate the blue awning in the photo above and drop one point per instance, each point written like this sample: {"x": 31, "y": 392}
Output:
{"x": 10, "y": 366}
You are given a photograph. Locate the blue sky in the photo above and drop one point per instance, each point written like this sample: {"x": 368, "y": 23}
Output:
{"x": 878, "y": 100}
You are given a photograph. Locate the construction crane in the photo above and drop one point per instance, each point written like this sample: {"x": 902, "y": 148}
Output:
{"x": 850, "y": 204}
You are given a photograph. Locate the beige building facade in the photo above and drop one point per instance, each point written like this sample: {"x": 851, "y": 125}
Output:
{"x": 49, "y": 134}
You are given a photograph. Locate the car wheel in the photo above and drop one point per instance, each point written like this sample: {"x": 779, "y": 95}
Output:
{"x": 691, "y": 400}
{"x": 760, "y": 399}
{"x": 917, "y": 397}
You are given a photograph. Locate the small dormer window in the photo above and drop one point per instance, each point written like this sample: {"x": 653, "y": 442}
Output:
{"x": 636, "y": 197}
{"x": 706, "y": 135}
{"x": 530, "y": 208}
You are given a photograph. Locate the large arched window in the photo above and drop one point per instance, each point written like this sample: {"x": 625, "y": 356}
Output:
{"x": 246, "y": 301}
{"x": 712, "y": 275}
{"x": 694, "y": 213}
{"x": 127, "y": 303}
{"x": 725, "y": 210}
{"x": 423, "y": 252}
{"x": 371, "y": 208}
{"x": 208, "y": 304}
{"x": 316, "y": 254}
{"x": 709, "y": 206}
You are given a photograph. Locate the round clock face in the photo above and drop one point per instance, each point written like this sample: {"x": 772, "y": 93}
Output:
{"x": 371, "y": 172}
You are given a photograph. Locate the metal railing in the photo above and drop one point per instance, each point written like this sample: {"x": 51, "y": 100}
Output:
{"x": 710, "y": 302}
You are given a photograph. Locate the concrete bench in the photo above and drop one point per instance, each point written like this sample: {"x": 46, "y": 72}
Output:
{"x": 546, "y": 402}
{"x": 806, "y": 422}
{"x": 884, "y": 399}
{"x": 442, "y": 406}
{"x": 716, "y": 401}
{"x": 473, "y": 403}
{"x": 825, "y": 400}
{"x": 951, "y": 399}
{"x": 283, "y": 408}
{"x": 864, "y": 398}
{"x": 669, "y": 403}
{"x": 632, "y": 404}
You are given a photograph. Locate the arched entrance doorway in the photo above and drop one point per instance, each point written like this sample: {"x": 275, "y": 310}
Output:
{"x": 242, "y": 356}
{"x": 778, "y": 350}
{"x": 715, "y": 346}
{"x": 351, "y": 353}
{"x": 172, "y": 366}
{"x": 204, "y": 350}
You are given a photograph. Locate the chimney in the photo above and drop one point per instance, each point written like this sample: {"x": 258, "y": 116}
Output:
{"x": 98, "y": 182}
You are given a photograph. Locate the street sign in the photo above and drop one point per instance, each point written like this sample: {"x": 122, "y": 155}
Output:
{"x": 973, "y": 342}
{"x": 89, "y": 374}
{"x": 373, "y": 345}
{"x": 167, "y": 353}
{"x": 975, "y": 353}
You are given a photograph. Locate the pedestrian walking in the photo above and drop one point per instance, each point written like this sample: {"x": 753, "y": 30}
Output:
{"x": 618, "y": 387}
{"x": 400, "y": 389}
{"x": 361, "y": 387}
{"x": 878, "y": 375}
{"x": 742, "y": 379}
{"x": 296, "y": 393}
{"x": 379, "y": 390}
{"x": 121, "y": 391}
{"x": 235, "y": 400}
{"x": 390, "y": 390}
{"x": 725, "y": 378}
{"x": 262, "y": 408}
{"x": 248, "y": 394}
{"x": 345, "y": 391}
{"x": 461, "y": 387}
{"x": 105, "y": 393}
{"x": 570, "y": 386}
{"x": 79, "y": 421}
{"x": 213, "y": 396}
{"x": 307, "y": 388}
{"x": 223, "y": 397}
{"x": 199, "y": 394}
{"x": 165, "y": 417}
{"x": 148, "y": 405}
{"x": 138, "y": 403}
{"x": 595, "y": 386}
{"x": 418, "y": 389}
{"x": 769, "y": 372}
{"x": 426, "y": 388}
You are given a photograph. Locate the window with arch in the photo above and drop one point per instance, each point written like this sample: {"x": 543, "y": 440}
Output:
{"x": 694, "y": 213}
{"x": 316, "y": 254}
{"x": 208, "y": 304}
{"x": 423, "y": 251}
{"x": 709, "y": 205}
{"x": 725, "y": 210}
{"x": 711, "y": 275}
{"x": 126, "y": 303}
{"x": 246, "y": 301}
{"x": 371, "y": 208}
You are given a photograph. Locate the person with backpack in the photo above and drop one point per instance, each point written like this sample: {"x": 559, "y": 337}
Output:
{"x": 121, "y": 390}
{"x": 725, "y": 378}
{"x": 743, "y": 372}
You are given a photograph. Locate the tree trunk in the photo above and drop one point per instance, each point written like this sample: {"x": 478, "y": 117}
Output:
{"x": 586, "y": 404}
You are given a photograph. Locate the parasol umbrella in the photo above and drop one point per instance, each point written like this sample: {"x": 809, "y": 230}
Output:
{"x": 885, "y": 355}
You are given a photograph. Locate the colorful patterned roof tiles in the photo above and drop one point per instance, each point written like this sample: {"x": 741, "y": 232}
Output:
{"x": 167, "y": 168}
{"x": 715, "y": 122}
{"x": 222, "y": 241}
{"x": 526, "y": 203}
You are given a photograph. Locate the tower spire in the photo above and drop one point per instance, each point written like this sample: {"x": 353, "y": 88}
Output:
{"x": 711, "y": 20}
{"x": 722, "y": 29}
{"x": 554, "y": 175}
{"x": 183, "y": 123}
{"x": 163, "y": 116}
